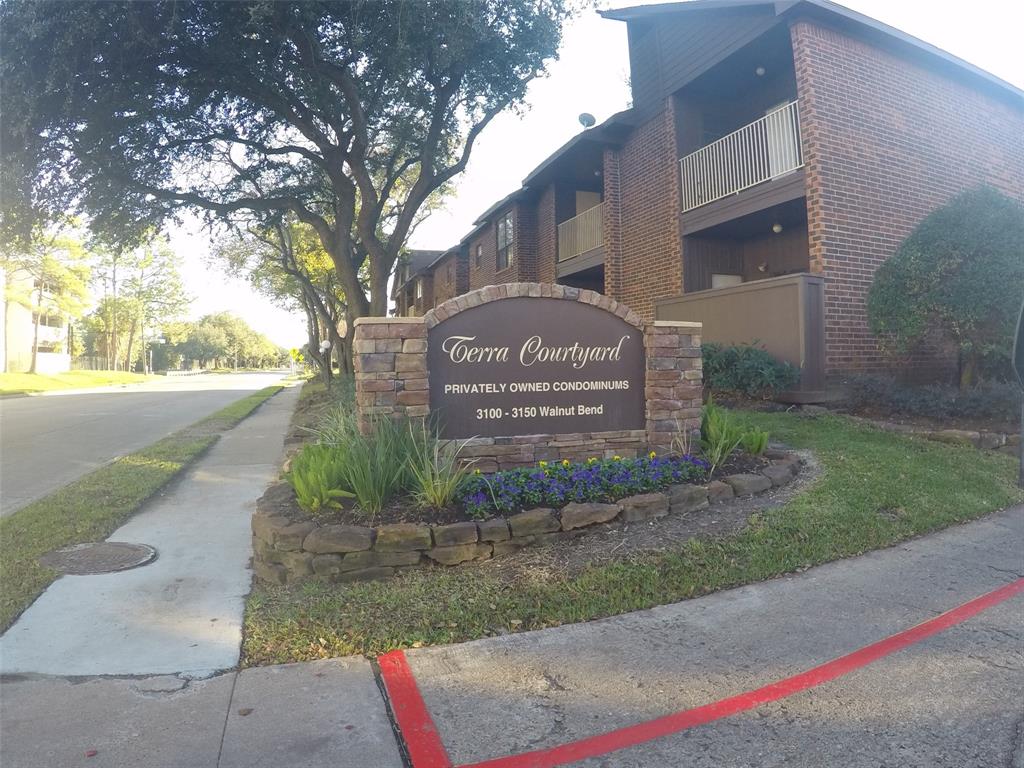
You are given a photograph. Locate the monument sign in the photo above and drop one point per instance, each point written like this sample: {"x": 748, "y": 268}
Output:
{"x": 528, "y": 366}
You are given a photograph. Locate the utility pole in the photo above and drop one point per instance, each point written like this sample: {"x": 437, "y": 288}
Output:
{"x": 1018, "y": 367}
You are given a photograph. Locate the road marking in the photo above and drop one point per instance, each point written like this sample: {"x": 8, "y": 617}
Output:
{"x": 414, "y": 720}
{"x": 426, "y": 750}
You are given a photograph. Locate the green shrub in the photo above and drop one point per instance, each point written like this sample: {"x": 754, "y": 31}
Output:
{"x": 375, "y": 466}
{"x": 960, "y": 271}
{"x": 720, "y": 435}
{"x": 318, "y": 477}
{"x": 996, "y": 400}
{"x": 747, "y": 370}
{"x": 436, "y": 473}
{"x": 754, "y": 441}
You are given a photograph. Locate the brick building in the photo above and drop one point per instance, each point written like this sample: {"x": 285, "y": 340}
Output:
{"x": 775, "y": 154}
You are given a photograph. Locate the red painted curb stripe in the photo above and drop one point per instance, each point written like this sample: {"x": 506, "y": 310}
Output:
{"x": 414, "y": 721}
{"x": 423, "y": 731}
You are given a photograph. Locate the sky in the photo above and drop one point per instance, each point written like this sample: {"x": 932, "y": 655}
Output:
{"x": 591, "y": 75}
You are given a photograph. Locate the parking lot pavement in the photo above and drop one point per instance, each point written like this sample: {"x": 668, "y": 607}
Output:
{"x": 950, "y": 700}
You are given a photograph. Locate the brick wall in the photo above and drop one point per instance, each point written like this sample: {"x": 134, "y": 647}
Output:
{"x": 547, "y": 236}
{"x": 425, "y": 300}
{"x": 524, "y": 263}
{"x": 449, "y": 279}
{"x": 886, "y": 141}
{"x": 611, "y": 223}
{"x": 643, "y": 260}
{"x": 526, "y": 241}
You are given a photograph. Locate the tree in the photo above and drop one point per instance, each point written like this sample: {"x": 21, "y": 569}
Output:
{"x": 347, "y": 116}
{"x": 288, "y": 264}
{"x": 961, "y": 271}
{"x": 48, "y": 275}
{"x": 154, "y": 285}
{"x": 142, "y": 289}
{"x": 101, "y": 329}
{"x": 206, "y": 343}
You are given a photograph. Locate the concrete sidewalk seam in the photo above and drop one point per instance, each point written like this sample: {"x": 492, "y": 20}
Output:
{"x": 227, "y": 715}
{"x": 403, "y": 748}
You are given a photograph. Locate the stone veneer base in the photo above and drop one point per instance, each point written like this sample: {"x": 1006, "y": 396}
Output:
{"x": 289, "y": 549}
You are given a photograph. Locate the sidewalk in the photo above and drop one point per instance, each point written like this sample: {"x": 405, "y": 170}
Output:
{"x": 183, "y": 612}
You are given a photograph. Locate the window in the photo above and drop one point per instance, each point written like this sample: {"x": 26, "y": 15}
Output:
{"x": 506, "y": 244}
{"x": 50, "y": 321}
{"x": 451, "y": 275}
{"x": 419, "y": 288}
{"x": 479, "y": 255}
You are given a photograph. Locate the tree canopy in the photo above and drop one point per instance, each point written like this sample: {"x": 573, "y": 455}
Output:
{"x": 960, "y": 271}
{"x": 347, "y": 116}
{"x": 288, "y": 264}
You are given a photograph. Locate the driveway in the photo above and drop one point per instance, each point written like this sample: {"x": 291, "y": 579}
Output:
{"x": 48, "y": 441}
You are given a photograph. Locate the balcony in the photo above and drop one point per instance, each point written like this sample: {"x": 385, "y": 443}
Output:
{"x": 765, "y": 149}
{"x": 581, "y": 234}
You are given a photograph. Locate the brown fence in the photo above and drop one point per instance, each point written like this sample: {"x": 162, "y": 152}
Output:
{"x": 785, "y": 315}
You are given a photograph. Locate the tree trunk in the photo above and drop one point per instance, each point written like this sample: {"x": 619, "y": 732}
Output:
{"x": 313, "y": 334}
{"x": 378, "y": 291}
{"x": 7, "y": 335}
{"x": 968, "y": 369}
{"x": 131, "y": 345}
{"x": 113, "y": 318}
{"x": 35, "y": 330}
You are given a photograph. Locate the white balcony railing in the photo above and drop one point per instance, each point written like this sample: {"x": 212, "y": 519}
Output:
{"x": 763, "y": 150}
{"x": 581, "y": 233}
{"x": 49, "y": 333}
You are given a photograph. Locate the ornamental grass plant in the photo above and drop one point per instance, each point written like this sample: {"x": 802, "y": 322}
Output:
{"x": 435, "y": 471}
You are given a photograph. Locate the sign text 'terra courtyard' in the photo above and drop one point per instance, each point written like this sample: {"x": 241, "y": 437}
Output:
{"x": 463, "y": 349}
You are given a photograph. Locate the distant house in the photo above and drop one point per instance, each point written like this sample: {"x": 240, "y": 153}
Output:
{"x": 775, "y": 154}
{"x": 18, "y": 332}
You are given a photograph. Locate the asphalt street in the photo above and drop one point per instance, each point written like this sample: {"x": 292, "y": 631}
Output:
{"x": 48, "y": 441}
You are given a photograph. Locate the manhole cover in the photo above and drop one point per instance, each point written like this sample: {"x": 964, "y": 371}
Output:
{"x": 98, "y": 557}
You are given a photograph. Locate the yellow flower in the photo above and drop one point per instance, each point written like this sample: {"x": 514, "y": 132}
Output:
{"x": 651, "y": 455}
{"x": 565, "y": 462}
{"x": 616, "y": 458}
{"x": 476, "y": 471}
{"x": 543, "y": 464}
{"x": 591, "y": 460}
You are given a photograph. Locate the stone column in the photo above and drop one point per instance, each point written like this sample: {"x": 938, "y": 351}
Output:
{"x": 391, "y": 369}
{"x": 674, "y": 388}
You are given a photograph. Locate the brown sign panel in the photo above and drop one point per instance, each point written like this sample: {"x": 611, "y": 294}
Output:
{"x": 528, "y": 366}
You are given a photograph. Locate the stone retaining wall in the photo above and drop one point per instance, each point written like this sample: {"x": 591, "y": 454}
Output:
{"x": 392, "y": 380}
{"x": 1004, "y": 442}
{"x": 292, "y": 548}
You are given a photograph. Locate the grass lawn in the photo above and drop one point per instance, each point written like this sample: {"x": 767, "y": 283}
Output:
{"x": 92, "y": 507}
{"x": 875, "y": 489}
{"x": 22, "y": 383}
